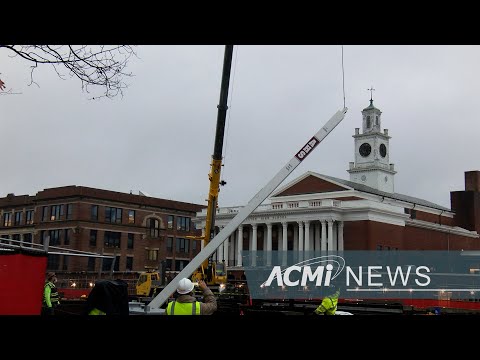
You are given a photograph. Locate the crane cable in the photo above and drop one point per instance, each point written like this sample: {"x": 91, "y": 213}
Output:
{"x": 231, "y": 97}
{"x": 343, "y": 80}
{"x": 229, "y": 112}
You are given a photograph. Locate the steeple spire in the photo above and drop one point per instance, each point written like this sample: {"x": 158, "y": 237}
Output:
{"x": 371, "y": 95}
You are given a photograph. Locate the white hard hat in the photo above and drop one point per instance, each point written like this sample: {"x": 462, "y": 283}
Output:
{"x": 185, "y": 286}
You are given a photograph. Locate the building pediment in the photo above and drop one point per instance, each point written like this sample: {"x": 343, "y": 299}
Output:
{"x": 310, "y": 183}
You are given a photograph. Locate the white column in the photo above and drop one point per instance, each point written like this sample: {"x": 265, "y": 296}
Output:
{"x": 269, "y": 244}
{"x": 307, "y": 235}
{"x": 340, "y": 236}
{"x": 254, "y": 237}
{"x": 300, "y": 236}
{"x": 231, "y": 256}
{"x": 254, "y": 244}
{"x": 225, "y": 250}
{"x": 284, "y": 243}
{"x": 300, "y": 241}
{"x": 330, "y": 235}
{"x": 269, "y": 236}
{"x": 317, "y": 236}
{"x": 284, "y": 236}
{"x": 312, "y": 237}
{"x": 239, "y": 245}
{"x": 295, "y": 238}
{"x": 220, "y": 252}
{"x": 279, "y": 237}
{"x": 335, "y": 239}
{"x": 324, "y": 235}
{"x": 250, "y": 238}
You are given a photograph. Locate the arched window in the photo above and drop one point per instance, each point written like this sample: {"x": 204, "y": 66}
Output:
{"x": 153, "y": 226}
{"x": 376, "y": 120}
{"x": 368, "y": 122}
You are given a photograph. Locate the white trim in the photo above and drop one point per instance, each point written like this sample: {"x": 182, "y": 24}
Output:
{"x": 443, "y": 228}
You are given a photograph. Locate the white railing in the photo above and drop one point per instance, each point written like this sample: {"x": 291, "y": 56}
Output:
{"x": 281, "y": 206}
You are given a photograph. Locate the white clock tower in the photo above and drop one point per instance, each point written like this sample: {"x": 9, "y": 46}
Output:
{"x": 372, "y": 153}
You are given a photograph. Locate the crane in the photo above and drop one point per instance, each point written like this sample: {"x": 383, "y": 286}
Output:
{"x": 214, "y": 273}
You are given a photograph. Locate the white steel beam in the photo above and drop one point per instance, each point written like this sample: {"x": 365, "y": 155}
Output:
{"x": 163, "y": 296}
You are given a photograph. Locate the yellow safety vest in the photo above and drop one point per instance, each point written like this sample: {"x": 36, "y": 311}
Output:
{"x": 178, "y": 308}
{"x": 328, "y": 305}
{"x": 96, "y": 311}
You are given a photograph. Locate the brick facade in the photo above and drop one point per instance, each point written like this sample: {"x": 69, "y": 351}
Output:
{"x": 66, "y": 212}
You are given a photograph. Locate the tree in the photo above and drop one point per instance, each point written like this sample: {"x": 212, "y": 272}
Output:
{"x": 93, "y": 65}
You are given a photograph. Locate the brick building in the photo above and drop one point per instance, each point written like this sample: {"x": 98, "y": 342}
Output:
{"x": 320, "y": 212}
{"x": 139, "y": 231}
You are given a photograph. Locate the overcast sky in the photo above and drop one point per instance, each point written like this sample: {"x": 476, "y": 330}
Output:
{"x": 159, "y": 137}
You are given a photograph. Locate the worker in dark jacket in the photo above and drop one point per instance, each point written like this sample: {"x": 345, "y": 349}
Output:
{"x": 51, "y": 298}
{"x": 187, "y": 304}
{"x": 108, "y": 297}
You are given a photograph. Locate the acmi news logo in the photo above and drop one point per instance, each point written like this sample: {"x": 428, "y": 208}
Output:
{"x": 320, "y": 271}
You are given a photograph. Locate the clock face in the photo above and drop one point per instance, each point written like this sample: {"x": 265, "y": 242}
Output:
{"x": 383, "y": 150}
{"x": 365, "y": 149}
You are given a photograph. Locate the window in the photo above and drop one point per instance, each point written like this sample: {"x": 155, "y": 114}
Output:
{"x": 111, "y": 239}
{"x": 53, "y": 262}
{"x": 56, "y": 212}
{"x": 376, "y": 120}
{"x": 168, "y": 265}
{"x": 69, "y": 211}
{"x": 180, "y": 264}
{"x": 16, "y": 237}
{"x": 27, "y": 238}
{"x": 169, "y": 244}
{"x": 65, "y": 262}
{"x": 93, "y": 237}
{"x": 18, "y": 218}
{"x": 379, "y": 247}
{"x": 29, "y": 217}
{"x": 107, "y": 264}
{"x": 4, "y": 239}
{"x": 45, "y": 213}
{"x": 413, "y": 214}
{"x": 131, "y": 216}
{"x": 194, "y": 245}
{"x": 66, "y": 239}
{"x": 368, "y": 122}
{"x": 183, "y": 223}
{"x": 130, "y": 241}
{"x": 170, "y": 222}
{"x": 152, "y": 255}
{"x": 54, "y": 237}
{"x": 94, "y": 212}
{"x": 7, "y": 219}
{"x": 182, "y": 245}
{"x": 129, "y": 263}
{"x": 91, "y": 264}
{"x": 153, "y": 227}
{"x": 113, "y": 215}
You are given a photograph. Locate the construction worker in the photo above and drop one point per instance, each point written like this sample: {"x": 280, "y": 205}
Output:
{"x": 108, "y": 297}
{"x": 329, "y": 304}
{"x": 187, "y": 304}
{"x": 51, "y": 298}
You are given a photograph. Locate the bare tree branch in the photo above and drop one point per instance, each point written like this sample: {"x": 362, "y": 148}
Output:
{"x": 93, "y": 65}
